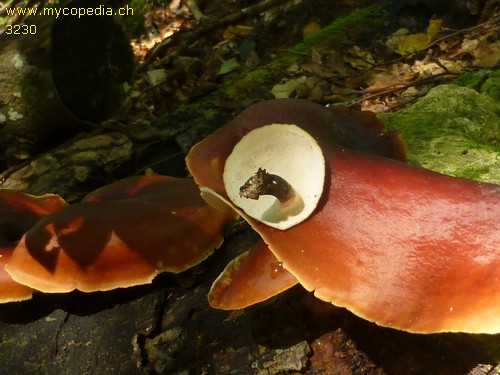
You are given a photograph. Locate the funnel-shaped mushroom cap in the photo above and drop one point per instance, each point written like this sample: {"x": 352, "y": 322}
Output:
{"x": 398, "y": 245}
{"x": 119, "y": 236}
{"x": 18, "y": 213}
{"x": 251, "y": 277}
{"x": 277, "y": 150}
{"x": 355, "y": 130}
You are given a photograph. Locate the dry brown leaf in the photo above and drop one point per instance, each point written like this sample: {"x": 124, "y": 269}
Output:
{"x": 358, "y": 58}
{"x": 393, "y": 75}
{"x": 236, "y": 31}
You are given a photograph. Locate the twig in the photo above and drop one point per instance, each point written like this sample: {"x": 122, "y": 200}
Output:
{"x": 195, "y": 9}
{"x": 402, "y": 86}
{"x": 185, "y": 38}
{"x": 494, "y": 23}
{"x": 438, "y": 62}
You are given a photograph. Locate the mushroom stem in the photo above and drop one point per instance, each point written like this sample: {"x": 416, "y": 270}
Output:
{"x": 263, "y": 183}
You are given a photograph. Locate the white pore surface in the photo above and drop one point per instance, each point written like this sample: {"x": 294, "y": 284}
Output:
{"x": 284, "y": 150}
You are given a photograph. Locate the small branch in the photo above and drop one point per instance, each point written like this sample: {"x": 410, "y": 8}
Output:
{"x": 373, "y": 93}
{"x": 185, "y": 38}
{"x": 495, "y": 23}
{"x": 195, "y": 9}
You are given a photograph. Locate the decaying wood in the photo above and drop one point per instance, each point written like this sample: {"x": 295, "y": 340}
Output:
{"x": 72, "y": 170}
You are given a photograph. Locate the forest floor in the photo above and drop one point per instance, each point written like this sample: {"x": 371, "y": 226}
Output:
{"x": 387, "y": 62}
{"x": 237, "y": 54}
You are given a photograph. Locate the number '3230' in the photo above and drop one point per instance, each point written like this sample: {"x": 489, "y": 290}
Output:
{"x": 20, "y": 29}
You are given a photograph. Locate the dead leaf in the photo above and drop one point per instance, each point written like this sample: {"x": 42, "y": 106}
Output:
{"x": 487, "y": 55}
{"x": 228, "y": 66}
{"x": 358, "y": 58}
{"x": 395, "y": 74}
{"x": 413, "y": 43}
{"x": 416, "y": 42}
{"x": 157, "y": 76}
{"x": 434, "y": 28}
{"x": 287, "y": 88}
{"x": 236, "y": 31}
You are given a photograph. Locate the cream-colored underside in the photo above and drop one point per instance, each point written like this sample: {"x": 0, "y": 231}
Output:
{"x": 284, "y": 150}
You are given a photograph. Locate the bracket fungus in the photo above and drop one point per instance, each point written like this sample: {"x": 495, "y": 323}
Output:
{"x": 277, "y": 186}
{"x": 396, "y": 244}
{"x": 118, "y": 236}
{"x": 18, "y": 213}
{"x": 251, "y": 277}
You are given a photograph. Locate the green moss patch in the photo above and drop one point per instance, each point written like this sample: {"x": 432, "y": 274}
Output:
{"x": 484, "y": 81}
{"x": 452, "y": 130}
{"x": 351, "y": 29}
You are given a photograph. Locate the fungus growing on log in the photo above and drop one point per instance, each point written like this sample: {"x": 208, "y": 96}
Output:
{"x": 251, "y": 277}
{"x": 279, "y": 186}
{"x": 121, "y": 235}
{"x": 18, "y": 213}
{"x": 398, "y": 245}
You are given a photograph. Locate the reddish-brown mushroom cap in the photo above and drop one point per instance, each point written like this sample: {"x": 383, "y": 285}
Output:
{"x": 398, "y": 245}
{"x": 355, "y": 130}
{"x": 11, "y": 291}
{"x": 251, "y": 277}
{"x": 18, "y": 213}
{"x": 403, "y": 247}
{"x": 119, "y": 236}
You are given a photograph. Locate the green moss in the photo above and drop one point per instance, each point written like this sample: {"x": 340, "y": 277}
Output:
{"x": 491, "y": 85}
{"x": 472, "y": 80}
{"x": 453, "y": 130}
{"x": 249, "y": 85}
{"x": 484, "y": 81}
{"x": 351, "y": 29}
{"x": 474, "y": 173}
{"x": 357, "y": 27}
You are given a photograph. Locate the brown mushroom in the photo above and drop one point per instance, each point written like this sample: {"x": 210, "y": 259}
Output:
{"x": 279, "y": 187}
{"x": 119, "y": 236}
{"x": 398, "y": 245}
{"x": 251, "y": 277}
{"x": 354, "y": 130}
{"x": 18, "y": 213}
